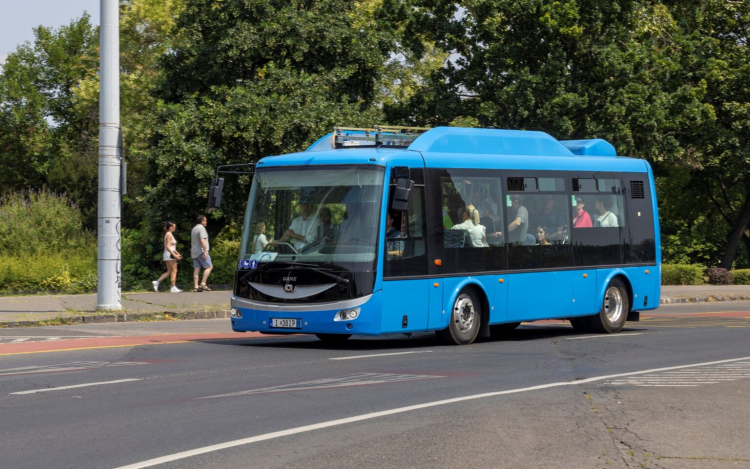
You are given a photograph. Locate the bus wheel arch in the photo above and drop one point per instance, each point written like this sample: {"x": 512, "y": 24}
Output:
{"x": 615, "y": 308}
{"x": 628, "y": 287}
{"x": 467, "y": 316}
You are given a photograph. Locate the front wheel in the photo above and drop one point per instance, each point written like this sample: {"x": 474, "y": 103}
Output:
{"x": 614, "y": 312}
{"x": 333, "y": 338}
{"x": 464, "y": 323}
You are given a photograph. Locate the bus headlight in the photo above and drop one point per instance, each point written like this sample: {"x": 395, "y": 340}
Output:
{"x": 236, "y": 313}
{"x": 346, "y": 315}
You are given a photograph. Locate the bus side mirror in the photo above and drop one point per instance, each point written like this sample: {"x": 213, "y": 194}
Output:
{"x": 214, "y": 193}
{"x": 402, "y": 195}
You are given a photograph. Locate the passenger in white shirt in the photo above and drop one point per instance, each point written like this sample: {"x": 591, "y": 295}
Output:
{"x": 304, "y": 229}
{"x": 470, "y": 223}
{"x": 606, "y": 219}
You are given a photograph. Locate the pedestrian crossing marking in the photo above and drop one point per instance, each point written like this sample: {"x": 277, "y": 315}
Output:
{"x": 357, "y": 379}
{"x": 688, "y": 378}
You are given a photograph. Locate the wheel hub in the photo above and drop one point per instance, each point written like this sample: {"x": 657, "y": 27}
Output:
{"x": 464, "y": 313}
{"x": 613, "y": 304}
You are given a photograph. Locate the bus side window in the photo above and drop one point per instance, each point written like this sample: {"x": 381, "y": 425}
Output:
{"x": 405, "y": 253}
{"x": 598, "y": 221}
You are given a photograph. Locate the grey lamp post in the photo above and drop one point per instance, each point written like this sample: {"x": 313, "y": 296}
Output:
{"x": 109, "y": 266}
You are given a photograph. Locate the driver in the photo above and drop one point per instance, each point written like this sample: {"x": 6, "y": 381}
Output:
{"x": 305, "y": 228}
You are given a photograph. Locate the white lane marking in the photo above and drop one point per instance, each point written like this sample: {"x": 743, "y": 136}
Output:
{"x": 379, "y": 355}
{"x": 625, "y": 334}
{"x": 399, "y": 410}
{"x": 20, "y": 339}
{"x": 357, "y": 379}
{"x": 34, "y": 391}
{"x": 68, "y": 366}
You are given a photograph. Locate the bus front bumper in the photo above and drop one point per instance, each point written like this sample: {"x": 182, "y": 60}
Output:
{"x": 358, "y": 316}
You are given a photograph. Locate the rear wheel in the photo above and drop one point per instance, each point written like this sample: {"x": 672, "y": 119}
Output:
{"x": 614, "y": 312}
{"x": 333, "y": 338}
{"x": 465, "y": 320}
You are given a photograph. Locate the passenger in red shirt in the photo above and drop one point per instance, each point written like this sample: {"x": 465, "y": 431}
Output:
{"x": 582, "y": 218}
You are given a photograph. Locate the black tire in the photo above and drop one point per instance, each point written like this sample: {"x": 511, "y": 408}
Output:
{"x": 503, "y": 330}
{"x": 580, "y": 325}
{"x": 465, "y": 320}
{"x": 333, "y": 338}
{"x": 615, "y": 308}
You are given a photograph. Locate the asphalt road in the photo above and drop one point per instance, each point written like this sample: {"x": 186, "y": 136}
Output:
{"x": 672, "y": 391}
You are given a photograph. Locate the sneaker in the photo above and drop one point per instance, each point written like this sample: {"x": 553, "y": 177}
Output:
{"x": 175, "y": 290}
{"x": 155, "y": 283}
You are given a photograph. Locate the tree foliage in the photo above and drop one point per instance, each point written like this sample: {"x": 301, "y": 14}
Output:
{"x": 251, "y": 79}
{"x": 207, "y": 82}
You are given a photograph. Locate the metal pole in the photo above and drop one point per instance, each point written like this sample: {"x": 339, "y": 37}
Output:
{"x": 110, "y": 158}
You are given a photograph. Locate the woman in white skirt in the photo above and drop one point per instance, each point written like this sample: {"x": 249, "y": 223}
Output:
{"x": 170, "y": 257}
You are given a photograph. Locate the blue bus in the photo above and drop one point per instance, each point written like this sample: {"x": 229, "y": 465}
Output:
{"x": 465, "y": 232}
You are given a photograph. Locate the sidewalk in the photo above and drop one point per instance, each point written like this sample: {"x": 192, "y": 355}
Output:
{"x": 18, "y": 311}
{"x": 35, "y": 310}
{"x": 697, "y": 293}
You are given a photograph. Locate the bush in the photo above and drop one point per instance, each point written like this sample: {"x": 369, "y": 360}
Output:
{"x": 39, "y": 222}
{"x": 43, "y": 245}
{"x": 681, "y": 274}
{"x": 741, "y": 276}
{"x": 719, "y": 276}
{"x": 224, "y": 254}
{"x": 71, "y": 272}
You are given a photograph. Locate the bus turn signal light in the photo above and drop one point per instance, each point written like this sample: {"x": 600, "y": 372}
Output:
{"x": 585, "y": 275}
{"x": 435, "y": 285}
{"x": 438, "y": 262}
{"x": 501, "y": 280}
{"x": 647, "y": 272}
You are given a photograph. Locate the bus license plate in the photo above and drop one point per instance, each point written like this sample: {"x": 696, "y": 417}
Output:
{"x": 286, "y": 323}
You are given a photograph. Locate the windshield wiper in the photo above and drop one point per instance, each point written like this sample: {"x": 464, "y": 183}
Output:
{"x": 311, "y": 267}
{"x": 293, "y": 266}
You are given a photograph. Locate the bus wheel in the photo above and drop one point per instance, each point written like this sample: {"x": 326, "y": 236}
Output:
{"x": 614, "y": 312}
{"x": 333, "y": 338}
{"x": 465, "y": 320}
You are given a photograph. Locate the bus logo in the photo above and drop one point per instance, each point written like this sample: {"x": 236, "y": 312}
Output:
{"x": 289, "y": 288}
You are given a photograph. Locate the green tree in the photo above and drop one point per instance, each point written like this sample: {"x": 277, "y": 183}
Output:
{"x": 715, "y": 58}
{"x": 250, "y": 79}
{"x": 38, "y": 121}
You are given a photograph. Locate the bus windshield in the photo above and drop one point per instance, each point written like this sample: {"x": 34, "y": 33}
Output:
{"x": 323, "y": 215}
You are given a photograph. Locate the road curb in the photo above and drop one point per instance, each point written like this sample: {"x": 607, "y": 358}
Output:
{"x": 119, "y": 317}
{"x": 702, "y": 299}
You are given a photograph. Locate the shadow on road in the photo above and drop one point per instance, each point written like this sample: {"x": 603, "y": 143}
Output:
{"x": 397, "y": 341}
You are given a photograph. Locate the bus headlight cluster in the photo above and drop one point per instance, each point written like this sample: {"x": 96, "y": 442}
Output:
{"x": 347, "y": 315}
{"x": 235, "y": 313}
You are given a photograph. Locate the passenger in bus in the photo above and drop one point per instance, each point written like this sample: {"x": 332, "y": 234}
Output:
{"x": 454, "y": 204}
{"x": 394, "y": 248}
{"x": 541, "y": 236}
{"x": 327, "y": 230}
{"x": 470, "y": 224}
{"x": 519, "y": 227}
{"x": 603, "y": 205}
{"x": 582, "y": 219}
{"x": 492, "y": 222}
{"x": 305, "y": 228}
{"x": 259, "y": 240}
{"x": 549, "y": 216}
